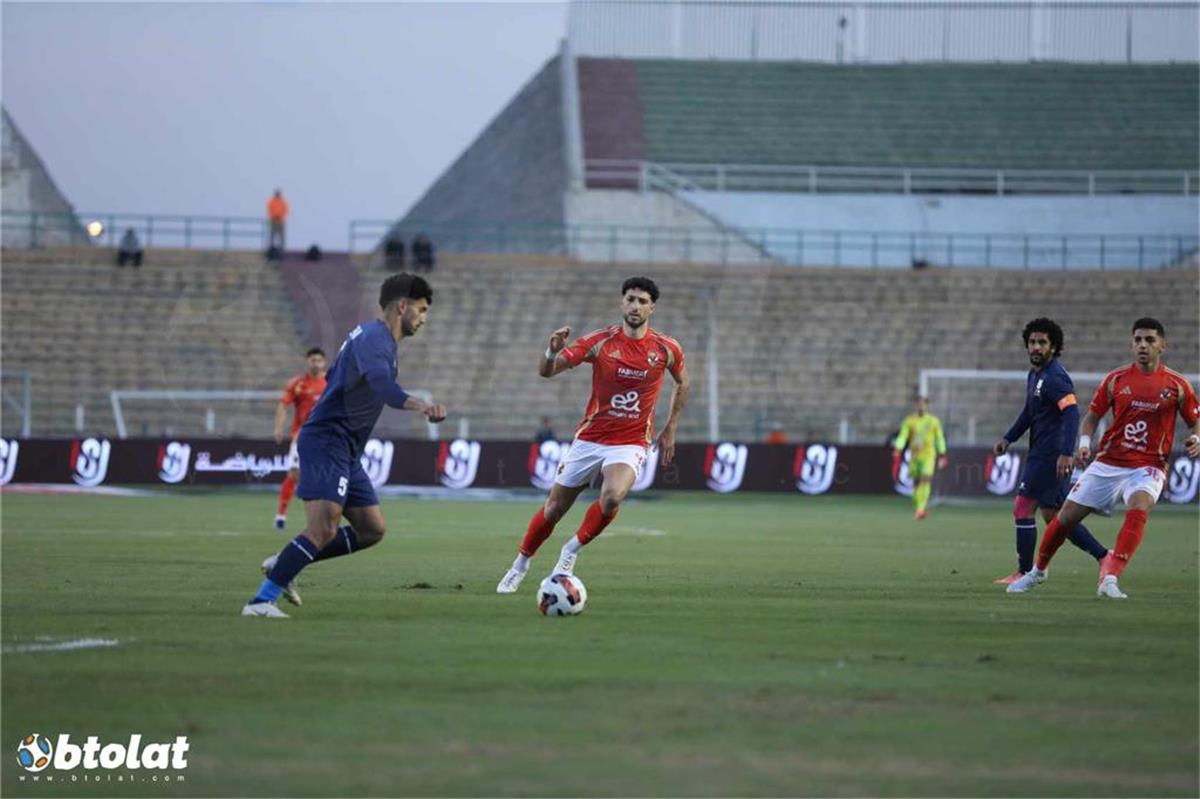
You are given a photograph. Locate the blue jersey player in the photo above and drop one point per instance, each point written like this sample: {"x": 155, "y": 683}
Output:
{"x": 332, "y": 483}
{"x": 1051, "y": 415}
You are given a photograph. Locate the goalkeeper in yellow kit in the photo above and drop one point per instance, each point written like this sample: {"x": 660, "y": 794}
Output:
{"x": 922, "y": 434}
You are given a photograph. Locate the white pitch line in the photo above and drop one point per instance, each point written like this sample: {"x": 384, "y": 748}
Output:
{"x": 61, "y": 646}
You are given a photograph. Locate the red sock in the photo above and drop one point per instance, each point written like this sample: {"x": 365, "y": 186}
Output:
{"x": 1052, "y": 539}
{"x": 594, "y": 522}
{"x": 539, "y": 530}
{"x": 1127, "y": 542}
{"x": 285, "y": 493}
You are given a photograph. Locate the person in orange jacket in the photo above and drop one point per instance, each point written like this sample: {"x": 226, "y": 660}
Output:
{"x": 277, "y": 211}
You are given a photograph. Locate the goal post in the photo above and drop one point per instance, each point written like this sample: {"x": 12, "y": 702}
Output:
{"x": 977, "y": 406}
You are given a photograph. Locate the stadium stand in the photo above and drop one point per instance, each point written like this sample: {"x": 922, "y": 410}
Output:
{"x": 185, "y": 320}
{"x": 1033, "y": 116}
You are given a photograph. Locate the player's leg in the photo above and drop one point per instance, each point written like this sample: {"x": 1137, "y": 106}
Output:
{"x": 288, "y": 488}
{"x": 922, "y": 484}
{"x": 1140, "y": 493}
{"x": 365, "y": 526}
{"x": 323, "y": 516}
{"x": 1024, "y": 508}
{"x": 1068, "y": 516}
{"x": 1043, "y": 484}
{"x": 619, "y": 478}
{"x": 559, "y": 501}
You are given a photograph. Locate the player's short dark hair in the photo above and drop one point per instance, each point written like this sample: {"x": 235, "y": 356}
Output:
{"x": 641, "y": 284}
{"x": 1149, "y": 323}
{"x": 1050, "y": 328}
{"x": 314, "y": 351}
{"x": 404, "y": 286}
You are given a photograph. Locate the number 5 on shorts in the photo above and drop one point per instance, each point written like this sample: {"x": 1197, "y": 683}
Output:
{"x": 343, "y": 484}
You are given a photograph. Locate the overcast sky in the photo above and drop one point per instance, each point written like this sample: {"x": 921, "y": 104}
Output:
{"x": 353, "y": 109}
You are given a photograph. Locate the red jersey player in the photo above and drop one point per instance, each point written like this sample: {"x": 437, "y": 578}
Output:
{"x": 1130, "y": 465}
{"x": 628, "y": 363}
{"x": 301, "y": 392}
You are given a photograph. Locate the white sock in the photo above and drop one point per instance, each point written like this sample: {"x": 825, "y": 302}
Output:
{"x": 521, "y": 564}
{"x": 572, "y": 546}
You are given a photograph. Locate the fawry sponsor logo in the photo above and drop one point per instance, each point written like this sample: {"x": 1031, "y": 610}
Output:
{"x": 645, "y": 477}
{"x": 89, "y": 461}
{"x": 9, "y": 449}
{"x": 544, "y": 460}
{"x": 35, "y": 754}
{"x": 458, "y": 463}
{"x": 725, "y": 466}
{"x": 1184, "y": 480}
{"x": 1002, "y": 473}
{"x": 815, "y": 468}
{"x": 377, "y": 460}
{"x": 174, "y": 457}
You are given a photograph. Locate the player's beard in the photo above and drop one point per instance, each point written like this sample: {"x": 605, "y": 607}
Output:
{"x": 408, "y": 327}
{"x": 1037, "y": 359}
{"x": 634, "y": 322}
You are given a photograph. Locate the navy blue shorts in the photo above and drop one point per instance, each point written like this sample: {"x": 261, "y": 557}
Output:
{"x": 1040, "y": 481}
{"x": 330, "y": 470}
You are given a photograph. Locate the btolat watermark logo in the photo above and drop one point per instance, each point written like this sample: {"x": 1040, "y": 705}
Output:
{"x": 36, "y": 753}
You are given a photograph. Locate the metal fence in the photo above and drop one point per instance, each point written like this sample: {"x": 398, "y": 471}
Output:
{"x": 875, "y": 32}
{"x": 859, "y": 248}
{"x": 813, "y": 179}
{"x": 31, "y": 229}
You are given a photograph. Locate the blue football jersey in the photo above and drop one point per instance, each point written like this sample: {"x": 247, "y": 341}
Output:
{"x": 1048, "y": 393}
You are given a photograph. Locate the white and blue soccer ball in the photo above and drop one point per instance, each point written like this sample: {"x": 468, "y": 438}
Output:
{"x": 33, "y": 753}
{"x": 561, "y": 595}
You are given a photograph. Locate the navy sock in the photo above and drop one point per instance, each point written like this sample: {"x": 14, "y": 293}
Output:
{"x": 1081, "y": 537}
{"x": 344, "y": 542}
{"x": 1026, "y": 543}
{"x": 298, "y": 553}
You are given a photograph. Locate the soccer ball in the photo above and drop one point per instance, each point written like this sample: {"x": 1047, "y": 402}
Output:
{"x": 33, "y": 753}
{"x": 561, "y": 595}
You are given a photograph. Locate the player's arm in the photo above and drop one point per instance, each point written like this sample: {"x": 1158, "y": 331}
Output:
{"x": 1189, "y": 409}
{"x": 280, "y": 421}
{"x": 1014, "y": 433}
{"x": 551, "y": 363}
{"x": 898, "y": 448}
{"x": 1063, "y": 395}
{"x": 679, "y": 397}
{"x": 375, "y": 367}
{"x": 940, "y": 443}
{"x": 1087, "y": 427}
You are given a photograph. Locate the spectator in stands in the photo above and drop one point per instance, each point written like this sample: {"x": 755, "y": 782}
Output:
{"x": 545, "y": 432}
{"x": 776, "y": 435}
{"x": 313, "y": 253}
{"x": 277, "y": 212}
{"x": 130, "y": 250}
{"x": 422, "y": 253}
{"x": 393, "y": 252}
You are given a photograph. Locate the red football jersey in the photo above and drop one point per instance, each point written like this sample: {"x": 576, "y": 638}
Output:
{"x": 627, "y": 374}
{"x": 1144, "y": 408}
{"x": 303, "y": 392}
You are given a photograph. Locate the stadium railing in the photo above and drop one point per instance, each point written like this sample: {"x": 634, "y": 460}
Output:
{"x": 813, "y": 179}
{"x": 860, "y": 248}
{"x": 34, "y": 229}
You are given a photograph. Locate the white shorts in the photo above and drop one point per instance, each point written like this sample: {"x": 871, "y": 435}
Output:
{"x": 1102, "y": 484}
{"x": 585, "y": 458}
{"x": 294, "y": 454}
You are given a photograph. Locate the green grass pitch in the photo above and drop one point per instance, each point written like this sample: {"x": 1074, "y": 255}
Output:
{"x": 732, "y": 645}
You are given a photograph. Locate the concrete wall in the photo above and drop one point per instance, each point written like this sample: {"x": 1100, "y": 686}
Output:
{"x": 1120, "y": 219}
{"x": 28, "y": 187}
{"x": 514, "y": 172}
{"x": 615, "y": 225}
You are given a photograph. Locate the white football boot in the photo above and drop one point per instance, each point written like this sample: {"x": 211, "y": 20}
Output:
{"x": 510, "y": 582}
{"x": 265, "y": 609}
{"x": 1108, "y": 587}
{"x": 1027, "y": 581}
{"x": 289, "y": 591}
{"x": 566, "y": 563}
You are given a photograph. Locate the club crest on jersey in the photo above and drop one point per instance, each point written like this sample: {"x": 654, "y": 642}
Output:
{"x": 652, "y": 359}
{"x": 1167, "y": 394}
{"x": 1037, "y": 390}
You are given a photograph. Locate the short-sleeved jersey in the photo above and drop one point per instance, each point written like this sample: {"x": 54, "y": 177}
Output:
{"x": 1144, "y": 408}
{"x": 627, "y": 374}
{"x": 922, "y": 435}
{"x": 349, "y": 407}
{"x": 302, "y": 391}
{"x": 1048, "y": 393}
